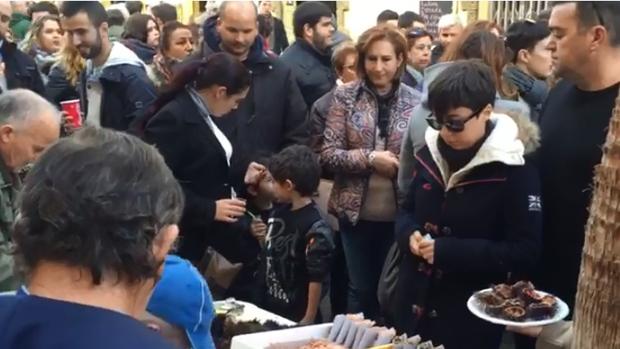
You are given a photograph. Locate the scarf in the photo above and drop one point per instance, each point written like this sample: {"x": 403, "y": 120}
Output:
{"x": 458, "y": 158}
{"x": 384, "y": 103}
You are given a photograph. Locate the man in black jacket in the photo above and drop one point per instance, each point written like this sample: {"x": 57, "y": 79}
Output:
{"x": 273, "y": 115}
{"x": 17, "y": 69}
{"x": 310, "y": 56}
{"x": 114, "y": 88}
{"x": 278, "y": 41}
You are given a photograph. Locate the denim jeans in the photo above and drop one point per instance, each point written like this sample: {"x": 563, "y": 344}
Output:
{"x": 365, "y": 247}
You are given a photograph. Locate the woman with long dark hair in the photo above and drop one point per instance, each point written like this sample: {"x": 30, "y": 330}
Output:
{"x": 141, "y": 35}
{"x": 176, "y": 43}
{"x": 182, "y": 127}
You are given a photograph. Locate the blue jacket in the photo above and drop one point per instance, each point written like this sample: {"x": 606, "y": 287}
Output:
{"x": 127, "y": 89}
{"x": 30, "y": 322}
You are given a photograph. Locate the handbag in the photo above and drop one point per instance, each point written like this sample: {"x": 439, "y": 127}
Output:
{"x": 218, "y": 271}
{"x": 388, "y": 281}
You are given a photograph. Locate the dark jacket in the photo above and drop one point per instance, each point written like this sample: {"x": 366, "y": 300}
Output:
{"x": 127, "y": 90}
{"x": 31, "y": 322}
{"x": 280, "y": 41}
{"x": 436, "y": 53}
{"x": 486, "y": 221}
{"x": 58, "y": 88}
{"x": 318, "y": 118}
{"x": 272, "y": 116}
{"x": 312, "y": 69}
{"x": 142, "y": 50}
{"x": 20, "y": 69}
{"x": 199, "y": 163}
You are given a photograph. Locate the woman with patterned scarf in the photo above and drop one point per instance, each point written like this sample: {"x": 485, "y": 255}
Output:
{"x": 176, "y": 44}
{"x": 43, "y": 41}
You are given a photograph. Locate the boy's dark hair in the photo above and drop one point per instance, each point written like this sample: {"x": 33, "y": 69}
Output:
{"x": 524, "y": 35}
{"x": 387, "y": 15}
{"x": 115, "y": 17}
{"x": 94, "y": 10}
{"x": 298, "y": 164}
{"x": 43, "y": 6}
{"x": 134, "y": 7}
{"x": 309, "y": 13}
{"x": 165, "y": 12}
{"x": 467, "y": 84}
{"x": 97, "y": 201}
{"x": 406, "y": 19}
{"x": 605, "y": 13}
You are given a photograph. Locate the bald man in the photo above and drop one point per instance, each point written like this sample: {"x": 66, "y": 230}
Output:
{"x": 17, "y": 69}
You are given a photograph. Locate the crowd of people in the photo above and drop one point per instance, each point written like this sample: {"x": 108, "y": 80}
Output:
{"x": 392, "y": 175}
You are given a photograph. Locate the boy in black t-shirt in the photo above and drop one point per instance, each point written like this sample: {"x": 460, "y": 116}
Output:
{"x": 299, "y": 243}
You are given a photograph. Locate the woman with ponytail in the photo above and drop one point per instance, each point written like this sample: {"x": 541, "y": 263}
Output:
{"x": 181, "y": 125}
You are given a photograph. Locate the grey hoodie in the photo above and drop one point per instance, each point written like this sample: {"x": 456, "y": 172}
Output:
{"x": 414, "y": 140}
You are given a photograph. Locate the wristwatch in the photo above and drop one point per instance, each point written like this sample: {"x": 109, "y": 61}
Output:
{"x": 371, "y": 158}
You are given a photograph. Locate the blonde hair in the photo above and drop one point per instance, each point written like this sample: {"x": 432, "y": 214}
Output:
{"x": 72, "y": 63}
{"x": 31, "y": 41}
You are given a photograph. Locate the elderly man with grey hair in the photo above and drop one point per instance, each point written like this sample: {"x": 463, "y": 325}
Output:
{"x": 28, "y": 125}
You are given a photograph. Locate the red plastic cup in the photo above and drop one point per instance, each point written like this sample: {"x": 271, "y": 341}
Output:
{"x": 73, "y": 110}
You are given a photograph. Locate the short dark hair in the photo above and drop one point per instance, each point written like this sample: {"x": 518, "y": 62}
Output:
{"x": 298, "y": 164}
{"x": 165, "y": 12}
{"x": 97, "y": 201}
{"x": 134, "y": 7}
{"x": 166, "y": 33}
{"x": 309, "y": 13}
{"x": 406, "y": 19}
{"x": 386, "y": 15}
{"x": 415, "y": 34}
{"x": 467, "y": 84}
{"x": 524, "y": 35}
{"x": 136, "y": 27}
{"x": 94, "y": 10}
{"x": 115, "y": 17}
{"x": 605, "y": 13}
{"x": 264, "y": 25}
{"x": 43, "y": 6}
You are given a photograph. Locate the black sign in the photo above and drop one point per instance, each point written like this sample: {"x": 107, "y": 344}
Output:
{"x": 432, "y": 11}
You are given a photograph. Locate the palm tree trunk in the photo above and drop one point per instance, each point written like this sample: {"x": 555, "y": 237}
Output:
{"x": 597, "y": 310}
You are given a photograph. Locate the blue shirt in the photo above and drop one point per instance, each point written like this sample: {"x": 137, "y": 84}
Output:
{"x": 31, "y": 322}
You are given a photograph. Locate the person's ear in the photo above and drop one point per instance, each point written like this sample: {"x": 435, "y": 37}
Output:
{"x": 308, "y": 30}
{"x": 599, "y": 37}
{"x": 103, "y": 29}
{"x": 163, "y": 242}
{"x": 288, "y": 185}
{"x": 523, "y": 56}
{"x": 6, "y": 133}
{"x": 486, "y": 113}
{"x": 221, "y": 92}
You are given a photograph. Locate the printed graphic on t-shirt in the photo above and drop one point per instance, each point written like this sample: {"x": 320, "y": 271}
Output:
{"x": 280, "y": 247}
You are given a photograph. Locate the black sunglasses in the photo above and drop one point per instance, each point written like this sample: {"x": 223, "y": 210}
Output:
{"x": 418, "y": 33}
{"x": 451, "y": 124}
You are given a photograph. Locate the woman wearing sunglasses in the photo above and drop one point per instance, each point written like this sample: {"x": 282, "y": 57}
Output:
{"x": 419, "y": 45}
{"x": 472, "y": 214}
{"x": 363, "y": 132}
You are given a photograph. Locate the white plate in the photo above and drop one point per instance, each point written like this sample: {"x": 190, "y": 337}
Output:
{"x": 475, "y": 307}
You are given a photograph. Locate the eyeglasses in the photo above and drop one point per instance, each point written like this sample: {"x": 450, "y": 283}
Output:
{"x": 452, "y": 125}
{"x": 422, "y": 47}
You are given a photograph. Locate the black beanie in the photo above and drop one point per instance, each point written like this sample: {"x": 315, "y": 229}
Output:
{"x": 310, "y": 13}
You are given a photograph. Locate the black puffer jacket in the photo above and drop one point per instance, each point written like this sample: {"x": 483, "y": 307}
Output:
{"x": 20, "y": 70}
{"x": 272, "y": 116}
{"x": 312, "y": 69}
